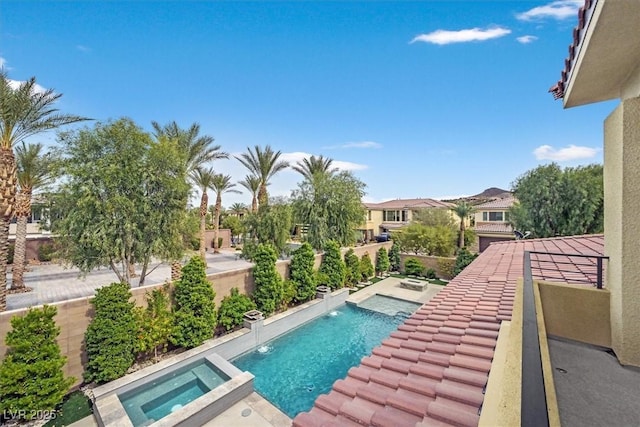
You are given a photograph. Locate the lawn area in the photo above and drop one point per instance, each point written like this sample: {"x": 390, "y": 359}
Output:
{"x": 75, "y": 407}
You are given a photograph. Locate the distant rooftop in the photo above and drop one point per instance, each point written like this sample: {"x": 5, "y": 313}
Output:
{"x": 501, "y": 203}
{"x": 494, "y": 227}
{"x": 409, "y": 204}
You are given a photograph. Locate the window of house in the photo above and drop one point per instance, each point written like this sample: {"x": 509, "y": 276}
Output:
{"x": 405, "y": 214}
{"x": 391, "y": 216}
{"x": 368, "y": 215}
{"x": 495, "y": 216}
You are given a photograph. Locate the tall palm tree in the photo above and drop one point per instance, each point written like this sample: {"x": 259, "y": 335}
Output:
{"x": 264, "y": 164}
{"x": 34, "y": 171}
{"x": 252, "y": 183}
{"x": 203, "y": 179}
{"x": 462, "y": 209}
{"x": 221, "y": 184}
{"x": 25, "y": 110}
{"x": 199, "y": 150}
{"x": 314, "y": 166}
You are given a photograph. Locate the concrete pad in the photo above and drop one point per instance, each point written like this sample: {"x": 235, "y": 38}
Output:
{"x": 391, "y": 286}
{"x": 253, "y": 411}
{"x": 89, "y": 421}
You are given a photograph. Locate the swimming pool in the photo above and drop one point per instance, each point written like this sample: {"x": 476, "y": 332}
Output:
{"x": 294, "y": 369}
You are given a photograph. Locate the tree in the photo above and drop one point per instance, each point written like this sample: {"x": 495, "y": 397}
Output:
{"x": 263, "y": 164}
{"x": 221, "y": 184}
{"x": 252, "y": 183}
{"x": 422, "y": 239}
{"x": 203, "y": 179}
{"x": 332, "y": 266}
{"x": 34, "y": 171}
{"x": 25, "y": 111}
{"x": 463, "y": 259}
{"x": 232, "y": 309}
{"x": 234, "y": 224}
{"x": 394, "y": 257}
{"x": 195, "y": 309}
{"x": 314, "y": 166}
{"x": 155, "y": 323}
{"x": 110, "y": 337}
{"x": 366, "y": 267}
{"x": 413, "y": 267}
{"x": 238, "y": 209}
{"x": 301, "y": 272}
{"x": 433, "y": 217}
{"x": 382, "y": 261}
{"x": 332, "y": 207}
{"x": 123, "y": 199}
{"x": 31, "y": 376}
{"x": 462, "y": 209}
{"x": 352, "y": 264}
{"x": 270, "y": 225}
{"x": 556, "y": 202}
{"x": 268, "y": 293}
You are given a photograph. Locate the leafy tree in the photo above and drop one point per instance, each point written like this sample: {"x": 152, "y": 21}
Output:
{"x": 123, "y": 199}
{"x": 271, "y": 225}
{"x": 268, "y": 294}
{"x": 382, "y": 261}
{"x": 25, "y": 111}
{"x": 289, "y": 292}
{"x": 366, "y": 267}
{"x": 331, "y": 205}
{"x": 263, "y": 164}
{"x": 430, "y": 240}
{"x": 463, "y": 259}
{"x": 301, "y": 272}
{"x": 31, "y": 376}
{"x": 333, "y": 266}
{"x": 462, "y": 209}
{"x": 195, "y": 309}
{"x": 232, "y": 309}
{"x": 155, "y": 323}
{"x": 252, "y": 183}
{"x": 221, "y": 184}
{"x": 433, "y": 217}
{"x": 234, "y": 225}
{"x": 413, "y": 267}
{"x": 559, "y": 202}
{"x": 352, "y": 264}
{"x": 314, "y": 166}
{"x": 394, "y": 257}
{"x": 110, "y": 337}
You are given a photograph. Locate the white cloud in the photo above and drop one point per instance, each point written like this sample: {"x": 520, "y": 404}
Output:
{"x": 37, "y": 88}
{"x": 526, "y": 39}
{"x": 361, "y": 144}
{"x": 442, "y": 37}
{"x": 561, "y": 9}
{"x": 83, "y": 48}
{"x": 572, "y": 152}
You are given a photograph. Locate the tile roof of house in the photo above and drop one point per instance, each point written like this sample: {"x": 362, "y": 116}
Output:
{"x": 433, "y": 369}
{"x": 409, "y": 204}
{"x": 502, "y": 203}
{"x": 495, "y": 227}
{"x": 578, "y": 34}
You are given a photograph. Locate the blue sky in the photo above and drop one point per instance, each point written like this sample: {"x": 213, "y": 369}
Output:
{"x": 417, "y": 98}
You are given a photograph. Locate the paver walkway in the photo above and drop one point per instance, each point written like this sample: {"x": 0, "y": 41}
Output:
{"x": 53, "y": 282}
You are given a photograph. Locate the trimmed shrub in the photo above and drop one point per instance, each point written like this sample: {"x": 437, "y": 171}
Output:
{"x": 430, "y": 274}
{"x": 268, "y": 294}
{"x": 463, "y": 259}
{"x": 446, "y": 266}
{"x": 352, "y": 264}
{"x": 155, "y": 323}
{"x": 232, "y": 308}
{"x": 288, "y": 293}
{"x": 394, "y": 257}
{"x": 382, "y": 261}
{"x": 110, "y": 337}
{"x": 301, "y": 273}
{"x": 366, "y": 267}
{"x": 31, "y": 377}
{"x": 46, "y": 251}
{"x": 333, "y": 266}
{"x": 413, "y": 267}
{"x": 195, "y": 309}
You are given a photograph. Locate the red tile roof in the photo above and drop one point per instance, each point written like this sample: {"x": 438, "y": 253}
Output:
{"x": 496, "y": 227}
{"x": 433, "y": 369}
{"x": 578, "y": 34}
{"x": 502, "y": 203}
{"x": 409, "y": 204}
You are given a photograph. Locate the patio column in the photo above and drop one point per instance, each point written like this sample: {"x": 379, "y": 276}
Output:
{"x": 622, "y": 227}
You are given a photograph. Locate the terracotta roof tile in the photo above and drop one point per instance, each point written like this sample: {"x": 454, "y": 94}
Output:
{"x": 392, "y": 417}
{"x": 408, "y": 204}
{"x": 497, "y": 203}
{"x": 443, "y": 412}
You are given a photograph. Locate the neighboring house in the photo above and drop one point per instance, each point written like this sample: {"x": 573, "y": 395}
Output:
{"x": 394, "y": 214}
{"x": 491, "y": 221}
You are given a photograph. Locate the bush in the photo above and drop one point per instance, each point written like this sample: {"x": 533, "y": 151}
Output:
{"x": 12, "y": 249}
{"x": 46, "y": 251}
{"x": 333, "y": 266}
{"x": 268, "y": 294}
{"x": 463, "y": 259}
{"x": 446, "y": 266}
{"x": 31, "y": 377}
{"x": 394, "y": 257}
{"x": 155, "y": 323}
{"x": 382, "y": 261}
{"x": 413, "y": 267}
{"x": 352, "y": 264}
{"x": 288, "y": 293}
{"x": 301, "y": 273}
{"x": 110, "y": 337}
{"x": 195, "y": 309}
{"x": 430, "y": 273}
{"x": 232, "y": 308}
{"x": 366, "y": 267}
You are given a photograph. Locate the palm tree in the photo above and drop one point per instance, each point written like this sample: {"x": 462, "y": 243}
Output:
{"x": 25, "y": 110}
{"x": 462, "y": 209}
{"x": 238, "y": 209}
{"x": 221, "y": 184}
{"x": 203, "y": 179}
{"x": 199, "y": 150}
{"x": 34, "y": 170}
{"x": 252, "y": 183}
{"x": 264, "y": 164}
{"x": 314, "y": 166}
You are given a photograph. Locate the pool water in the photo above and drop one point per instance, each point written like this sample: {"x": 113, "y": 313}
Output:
{"x": 151, "y": 402}
{"x": 294, "y": 369}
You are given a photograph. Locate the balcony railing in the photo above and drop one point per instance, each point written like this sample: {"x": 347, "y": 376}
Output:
{"x": 570, "y": 268}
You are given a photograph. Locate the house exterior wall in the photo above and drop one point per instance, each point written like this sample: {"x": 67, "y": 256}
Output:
{"x": 622, "y": 228}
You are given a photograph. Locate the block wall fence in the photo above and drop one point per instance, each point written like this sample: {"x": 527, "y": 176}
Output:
{"x": 74, "y": 315}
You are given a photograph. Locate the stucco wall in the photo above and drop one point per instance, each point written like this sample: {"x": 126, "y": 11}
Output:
{"x": 431, "y": 262}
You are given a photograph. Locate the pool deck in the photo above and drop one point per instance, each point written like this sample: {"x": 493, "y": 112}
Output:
{"x": 390, "y": 287}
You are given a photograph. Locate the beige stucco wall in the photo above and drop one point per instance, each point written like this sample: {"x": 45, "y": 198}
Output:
{"x": 577, "y": 313}
{"x": 437, "y": 263}
{"x": 622, "y": 228}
